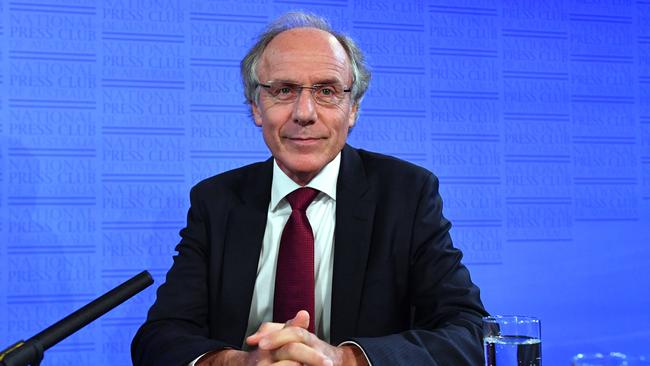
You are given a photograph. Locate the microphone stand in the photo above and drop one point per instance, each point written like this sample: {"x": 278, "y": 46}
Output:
{"x": 30, "y": 352}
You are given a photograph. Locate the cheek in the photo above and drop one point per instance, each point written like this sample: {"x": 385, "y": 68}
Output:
{"x": 346, "y": 121}
{"x": 277, "y": 114}
{"x": 270, "y": 133}
{"x": 346, "y": 114}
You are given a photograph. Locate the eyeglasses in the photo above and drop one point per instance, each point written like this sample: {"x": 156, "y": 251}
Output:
{"x": 324, "y": 94}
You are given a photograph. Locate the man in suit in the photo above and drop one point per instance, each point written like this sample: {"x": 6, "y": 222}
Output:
{"x": 388, "y": 285}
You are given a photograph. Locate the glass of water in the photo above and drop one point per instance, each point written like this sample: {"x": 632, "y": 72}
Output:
{"x": 512, "y": 340}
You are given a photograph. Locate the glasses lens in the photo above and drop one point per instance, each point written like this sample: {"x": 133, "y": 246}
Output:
{"x": 322, "y": 93}
{"x": 283, "y": 91}
{"x": 328, "y": 93}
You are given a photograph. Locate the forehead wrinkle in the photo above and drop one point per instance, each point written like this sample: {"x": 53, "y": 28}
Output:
{"x": 287, "y": 70}
{"x": 290, "y": 49}
{"x": 281, "y": 58}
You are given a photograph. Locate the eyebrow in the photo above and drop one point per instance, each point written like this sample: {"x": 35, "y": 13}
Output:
{"x": 320, "y": 82}
{"x": 286, "y": 81}
{"x": 328, "y": 81}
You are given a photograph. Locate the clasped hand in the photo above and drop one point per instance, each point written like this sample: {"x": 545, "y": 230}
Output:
{"x": 289, "y": 344}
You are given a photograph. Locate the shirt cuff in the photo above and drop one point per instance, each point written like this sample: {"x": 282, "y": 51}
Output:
{"x": 354, "y": 344}
{"x": 193, "y": 363}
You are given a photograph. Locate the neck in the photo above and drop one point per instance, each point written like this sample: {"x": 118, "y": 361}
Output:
{"x": 301, "y": 179}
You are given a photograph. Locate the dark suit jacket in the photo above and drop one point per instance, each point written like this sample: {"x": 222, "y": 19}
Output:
{"x": 398, "y": 286}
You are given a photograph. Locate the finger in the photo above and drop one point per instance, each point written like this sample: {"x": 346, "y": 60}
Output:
{"x": 285, "y": 336}
{"x": 257, "y": 358}
{"x": 300, "y": 320}
{"x": 286, "y": 363}
{"x": 263, "y": 330}
{"x": 301, "y": 353}
{"x": 254, "y": 339}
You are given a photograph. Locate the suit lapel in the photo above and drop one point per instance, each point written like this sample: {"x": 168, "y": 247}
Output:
{"x": 246, "y": 225}
{"x": 354, "y": 211}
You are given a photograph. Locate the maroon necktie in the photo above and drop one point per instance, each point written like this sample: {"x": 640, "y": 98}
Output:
{"x": 294, "y": 276}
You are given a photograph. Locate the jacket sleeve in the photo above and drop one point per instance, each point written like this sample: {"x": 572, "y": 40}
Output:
{"x": 446, "y": 309}
{"x": 176, "y": 330}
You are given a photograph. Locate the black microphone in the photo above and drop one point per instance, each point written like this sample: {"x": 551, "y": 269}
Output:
{"x": 31, "y": 351}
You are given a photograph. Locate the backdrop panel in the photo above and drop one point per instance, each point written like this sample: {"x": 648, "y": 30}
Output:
{"x": 534, "y": 114}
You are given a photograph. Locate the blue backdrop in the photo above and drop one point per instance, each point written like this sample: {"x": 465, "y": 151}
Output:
{"x": 534, "y": 114}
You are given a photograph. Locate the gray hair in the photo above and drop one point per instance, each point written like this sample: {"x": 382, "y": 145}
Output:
{"x": 248, "y": 66}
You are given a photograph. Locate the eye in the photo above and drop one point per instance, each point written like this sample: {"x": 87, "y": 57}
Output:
{"x": 283, "y": 91}
{"x": 327, "y": 90}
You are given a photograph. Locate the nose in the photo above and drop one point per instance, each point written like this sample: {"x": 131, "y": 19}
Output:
{"x": 304, "y": 109}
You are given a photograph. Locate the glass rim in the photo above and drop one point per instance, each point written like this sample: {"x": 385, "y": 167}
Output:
{"x": 516, "y": 318}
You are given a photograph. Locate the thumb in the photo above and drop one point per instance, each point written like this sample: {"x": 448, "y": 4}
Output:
{"x": 301, "y": 320}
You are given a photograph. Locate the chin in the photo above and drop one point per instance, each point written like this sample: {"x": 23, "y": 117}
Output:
{"x": 306, "y": 167}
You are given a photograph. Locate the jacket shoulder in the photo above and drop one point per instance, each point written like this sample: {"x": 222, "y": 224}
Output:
{"x": 387, "y": 168}
{"x": 232, "y": 180}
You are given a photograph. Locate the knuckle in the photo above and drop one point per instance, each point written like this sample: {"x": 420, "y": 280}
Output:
{"x": 303, "y": 334}
{"x": 292, "y": 348}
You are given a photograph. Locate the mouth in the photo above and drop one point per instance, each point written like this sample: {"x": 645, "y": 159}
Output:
{"x": 304, "y": 141}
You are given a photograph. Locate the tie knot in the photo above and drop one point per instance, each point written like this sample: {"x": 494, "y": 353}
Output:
{"x": 301, "y": 198}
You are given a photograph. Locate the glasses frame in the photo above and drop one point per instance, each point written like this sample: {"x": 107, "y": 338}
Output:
{"x": 313, "y": 88}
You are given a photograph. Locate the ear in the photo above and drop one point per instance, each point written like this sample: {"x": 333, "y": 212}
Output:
{"x": 352, "y": 118}
{"x": 257, "y": 114}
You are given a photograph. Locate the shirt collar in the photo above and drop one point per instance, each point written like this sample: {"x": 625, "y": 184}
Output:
{"x": 325, "y": 181}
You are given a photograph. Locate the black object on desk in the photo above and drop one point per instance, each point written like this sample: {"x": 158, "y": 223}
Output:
{"x": 30, "y": 352}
